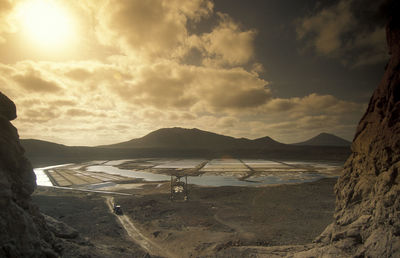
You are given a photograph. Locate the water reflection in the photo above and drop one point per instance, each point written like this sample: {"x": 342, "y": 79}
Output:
{"x": 218, "y": 172}
{"x": 128, "y": 173}
{"x": 41, "y": 176}
{"x": 214, "y": 179}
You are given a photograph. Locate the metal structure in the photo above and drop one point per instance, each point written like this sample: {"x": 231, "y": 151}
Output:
{"x": 179, "y": 189}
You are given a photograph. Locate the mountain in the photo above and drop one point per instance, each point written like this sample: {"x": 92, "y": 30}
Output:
{"x": 325, "y": 139}
{"x": 182, "y": 143}
{"x": 182, "y": 138}
{"x": 44, "y": 153}
{"x": 41, "y": 146}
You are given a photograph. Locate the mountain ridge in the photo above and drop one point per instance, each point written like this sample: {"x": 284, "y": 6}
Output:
{"x": 325, "y": 139}
{"x": 153, "y": 139}
{"x": 177, "y": 137}
{"x": 180, "y": 143}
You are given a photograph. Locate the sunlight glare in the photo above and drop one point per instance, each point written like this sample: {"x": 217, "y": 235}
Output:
{"x": 47, "y": 23}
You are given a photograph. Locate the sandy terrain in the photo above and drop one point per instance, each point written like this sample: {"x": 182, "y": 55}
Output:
{"x": 214, "y": 222}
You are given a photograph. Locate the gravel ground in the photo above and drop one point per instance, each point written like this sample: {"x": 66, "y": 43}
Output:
{"x": 215, "y": 221}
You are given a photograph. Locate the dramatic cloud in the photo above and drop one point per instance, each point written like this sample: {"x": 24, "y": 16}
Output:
{"x": 78, "y": 74}
{"x": 171, "y": 85}
{"x": 231, "y": 88}
{"x": 350, "y": 30}
{"x": 168, "y": 94}
{"x": 300, "y": 118}
{"x": 148, "y": 29}
{"x": 39, "y": 115}
{"x": 227, "y": 44}
{"x": 33, "y": 83}
{"x": 131, "y": 75}
{"x": 75, "y": 112}
{"x": 327, "y": 27}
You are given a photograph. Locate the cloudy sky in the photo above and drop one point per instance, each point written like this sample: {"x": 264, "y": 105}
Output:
{"x": 94, "y": 72}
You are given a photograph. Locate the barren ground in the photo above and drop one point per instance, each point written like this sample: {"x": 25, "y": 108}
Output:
{"x": 214, "y": 222}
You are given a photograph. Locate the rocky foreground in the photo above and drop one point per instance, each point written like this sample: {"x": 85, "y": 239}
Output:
{"x": 367, "y": 216}
{"x": 23, "y": 229}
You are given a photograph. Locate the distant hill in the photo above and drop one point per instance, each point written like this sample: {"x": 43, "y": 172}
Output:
{"x": 188, "y": 143}
{"x": 182, "y": 138}
{"x": 43, "y": 153}
{"x": 325, "y": 139}
{"x": 41, "y": 146}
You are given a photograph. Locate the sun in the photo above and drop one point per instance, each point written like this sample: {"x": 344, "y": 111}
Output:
{"x": 46, "y": 23}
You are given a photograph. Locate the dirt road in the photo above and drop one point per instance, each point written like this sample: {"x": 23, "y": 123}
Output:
{"x": 150, "y": 246}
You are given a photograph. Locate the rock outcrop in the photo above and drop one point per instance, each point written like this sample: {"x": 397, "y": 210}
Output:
{"x": 24, "y": 232}
{"x": 367, "y": 216}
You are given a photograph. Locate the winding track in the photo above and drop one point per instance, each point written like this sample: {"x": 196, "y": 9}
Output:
{"x": 150, "y": 246}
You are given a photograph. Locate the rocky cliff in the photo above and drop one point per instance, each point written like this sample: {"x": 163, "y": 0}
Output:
{"x": 367, "y": 216}
{"x": 24, "y": 232}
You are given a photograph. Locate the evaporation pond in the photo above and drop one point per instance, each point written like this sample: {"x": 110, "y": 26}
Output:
{"x": 42, "y": 178}
{"x": 212, "y": 179}
{"x": 147, "y": 176}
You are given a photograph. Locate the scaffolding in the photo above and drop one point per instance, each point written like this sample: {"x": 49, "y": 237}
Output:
{"x": 179, "y": 189}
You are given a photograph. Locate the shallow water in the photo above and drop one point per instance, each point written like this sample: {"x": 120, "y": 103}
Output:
{"x": 117, "y": 162}
{"x": 181, "y": 164}
{"x": 215, "y": 180}
{"x": 223, "y": 172}
{"x": 42, "y": 178}
{"x": 147, "y": 176}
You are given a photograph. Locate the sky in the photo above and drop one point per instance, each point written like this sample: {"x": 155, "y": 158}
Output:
{"x": 95, "y": 72}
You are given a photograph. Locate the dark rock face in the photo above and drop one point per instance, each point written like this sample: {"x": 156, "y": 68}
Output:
{"x": 367, "y": 216}
{"x": 7, "y": 107}
{"x": 24, "y": 232}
